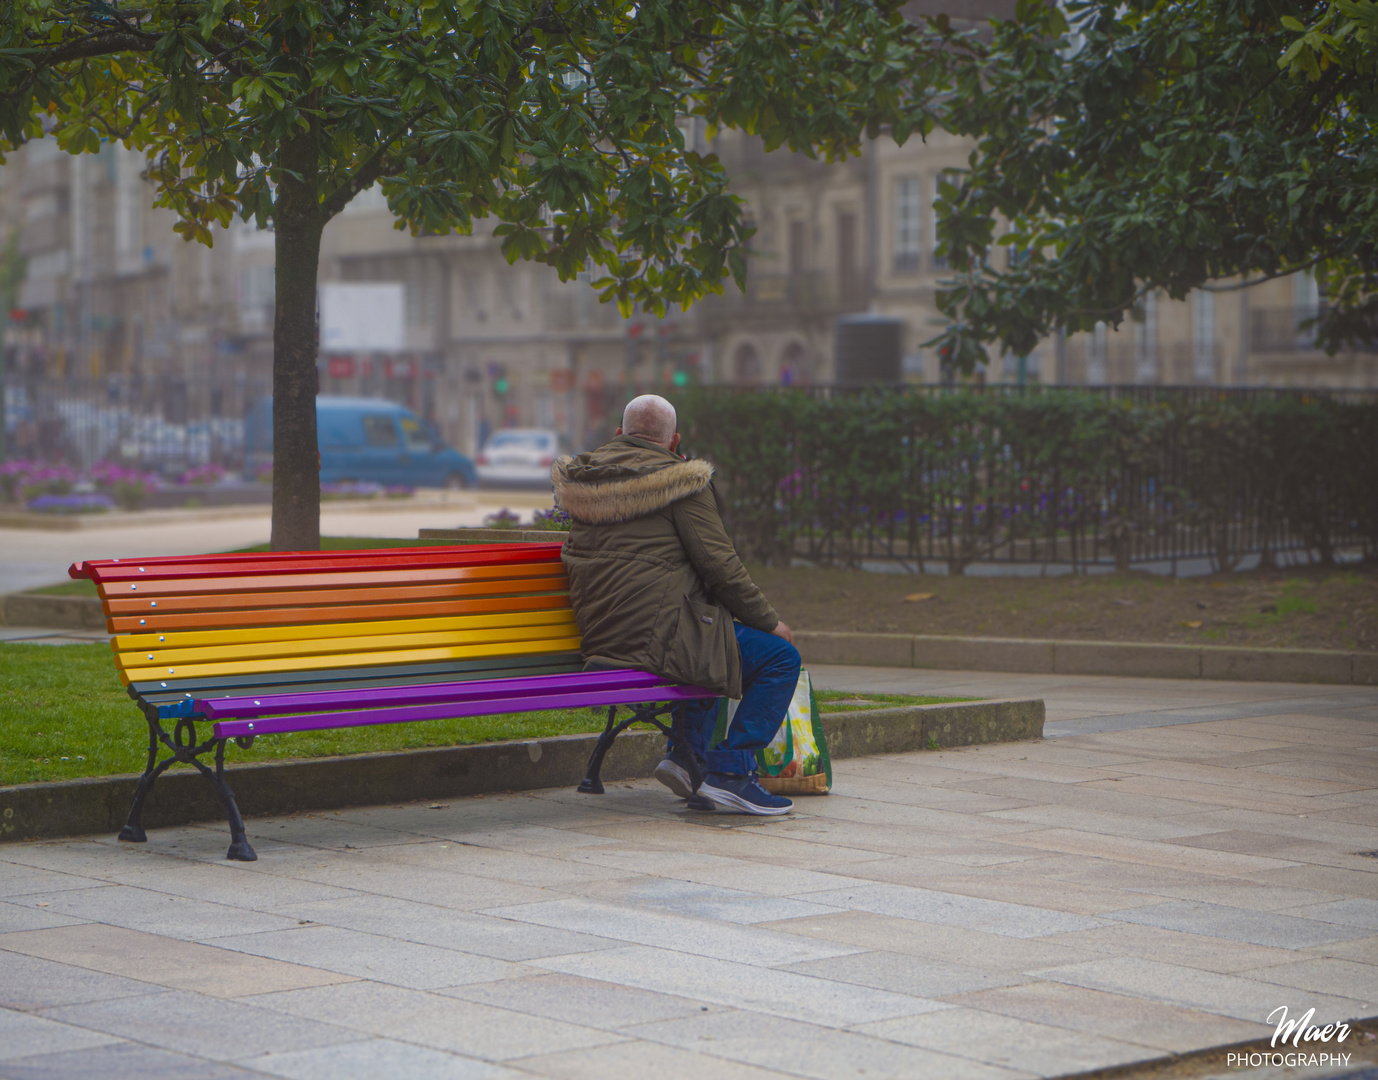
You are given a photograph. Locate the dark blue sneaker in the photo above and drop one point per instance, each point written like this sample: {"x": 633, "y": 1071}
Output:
{"x": 672, "y": 773}
{"x": 743, "y": 795}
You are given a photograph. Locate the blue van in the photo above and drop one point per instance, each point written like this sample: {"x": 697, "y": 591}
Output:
{"x": 365, "y": 439}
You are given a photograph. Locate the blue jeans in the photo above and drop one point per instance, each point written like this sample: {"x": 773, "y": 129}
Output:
{"x": 770, "y": 672}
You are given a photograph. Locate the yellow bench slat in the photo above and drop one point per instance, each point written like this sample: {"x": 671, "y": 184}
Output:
{"x": 364, "y": 643}
{"x": 353, "y": 658}
{"x": 183, "y": 639}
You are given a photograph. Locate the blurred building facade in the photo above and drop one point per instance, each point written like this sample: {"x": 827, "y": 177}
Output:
{"x": 111, "y": 290}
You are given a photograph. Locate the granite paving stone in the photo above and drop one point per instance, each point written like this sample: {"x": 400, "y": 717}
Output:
{"x": 576, "y": 1000}
{"x": 743, "y": 986}
{"x": 1273, "y": 928}
{"x": 23, "y": 1034}
{"x": 201, "y": 1025}
{"x": 156, "y": 912}
{"x": 1174, "y": 947}
{"x": 1356, "y": 911}
{"x": 803, "y": 1049}
{"x": 122, "y": 1061}
{"x": 165, "y": 961}
{"x": 707, "y": 901}
{"x": 1008, "y": 1041}
{"x": 1139, "y": 1020}
{"x": 638, "y": 1060}
{"x": 426, "y": 924}
{"x": 683, "y": 933}
{"x": 372, "y": 956}
{"x": 904, "y": 974}
{"x": 368, "y": 1059}
{"x": 1341, "y": 978}
{"x": 29, "y": 983}
{"x": 972, "y": 912}
{"x": 1246, "y": 893}
{"x": 441, "y": 1022}
{"x": 16, "y": 879}
{"x": 934, "y": 941}
{"x": 1227, "y": 995}
{"x": 706, "y": 869}
{"x": 1145, "y": 852}
{"x": 1171, "y": 863}
{"x": 14, "y": 917}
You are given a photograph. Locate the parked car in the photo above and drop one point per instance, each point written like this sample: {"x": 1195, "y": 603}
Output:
{"x": 366, "y": 439}
{"x": 518, "y": 457}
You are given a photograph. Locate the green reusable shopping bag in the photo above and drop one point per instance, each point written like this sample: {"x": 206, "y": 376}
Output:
{"x": 796, "y": 762}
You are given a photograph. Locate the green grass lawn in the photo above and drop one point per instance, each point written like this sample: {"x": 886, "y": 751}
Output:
{"x": 64, "y": 714}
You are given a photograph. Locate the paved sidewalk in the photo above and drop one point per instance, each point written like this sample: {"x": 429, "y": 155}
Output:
{"x": 1180, "y": 860}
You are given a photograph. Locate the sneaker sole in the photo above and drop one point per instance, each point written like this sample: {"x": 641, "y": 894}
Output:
{"x": 729, "y": 801}
{"x": 674, "y": 777}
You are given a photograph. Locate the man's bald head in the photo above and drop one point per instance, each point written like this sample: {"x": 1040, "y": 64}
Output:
{"x": 651, "y": 417}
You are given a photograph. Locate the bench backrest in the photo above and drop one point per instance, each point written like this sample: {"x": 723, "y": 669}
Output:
{"x": 190, "y": 626}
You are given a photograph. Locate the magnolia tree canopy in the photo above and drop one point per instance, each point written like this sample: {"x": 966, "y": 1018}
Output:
{"x": 557, "y": 118}
{"x": 1139, "y": 145}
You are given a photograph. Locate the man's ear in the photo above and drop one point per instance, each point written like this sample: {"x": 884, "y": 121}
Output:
{"x": 618, "y": 431}
{"x": 674, "y": 442}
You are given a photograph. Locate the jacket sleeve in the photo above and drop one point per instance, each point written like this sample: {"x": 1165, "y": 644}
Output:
{"x": 715, "y": 560}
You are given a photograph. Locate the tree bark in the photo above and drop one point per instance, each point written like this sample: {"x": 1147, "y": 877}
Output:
{"x": 298, "y": 223}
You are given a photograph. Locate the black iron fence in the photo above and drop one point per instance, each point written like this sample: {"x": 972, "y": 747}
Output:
{"x": 1115, "y": 477}
{"x": 158, "y": 424}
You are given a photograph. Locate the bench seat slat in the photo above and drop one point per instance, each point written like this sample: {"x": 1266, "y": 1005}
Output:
{"x": 176, "y": 612}
{"x": 111, "y": 572}
{"x": 90, "y": 566}
{"x": 281, "y": 682}
{"x": 180, "y": 645}
{"x": 157, "y": 588}
{"x": 361, "y": 649}
{"x": 251, "y": 707}
{"x": 529, "y": 702}
{"x": 510, "y": 642}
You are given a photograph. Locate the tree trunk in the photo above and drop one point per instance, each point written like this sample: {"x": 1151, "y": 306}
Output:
{"x": 298, "y": 223}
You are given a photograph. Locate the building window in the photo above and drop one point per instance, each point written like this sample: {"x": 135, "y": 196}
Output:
{"x": 797, "y": 252}
{"x": 747, "y": 364}
{"x": 848, "y": 281}
{"x": 1095, "y": 356}
{"x": 1203, "y": 336}
{"x": 908, "y": 199}
{"x": 939, "y": 261}
{"x": 1146, "y": 343}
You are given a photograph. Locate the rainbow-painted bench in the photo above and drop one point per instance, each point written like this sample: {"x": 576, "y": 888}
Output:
{"x": 260, "y": 644}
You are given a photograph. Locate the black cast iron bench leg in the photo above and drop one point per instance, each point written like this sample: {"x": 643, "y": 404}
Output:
{"x": 187, "y": 752}
{"x": 675, "y": 732}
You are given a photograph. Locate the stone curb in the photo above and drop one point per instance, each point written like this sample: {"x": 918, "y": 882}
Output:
{"x": 57, "y": 612}
{"x": 473, "y": 535}
{"x": 100, "y": 805}
{"x": 1121, "y": 658}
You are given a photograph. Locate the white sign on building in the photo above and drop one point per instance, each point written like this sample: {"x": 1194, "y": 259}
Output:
{"x": 362, "y": 317}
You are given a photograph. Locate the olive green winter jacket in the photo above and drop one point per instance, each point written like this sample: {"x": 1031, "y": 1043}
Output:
{"x": 653, "y": 577}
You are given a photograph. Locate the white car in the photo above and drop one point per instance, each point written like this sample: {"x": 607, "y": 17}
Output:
{"x": 518, "y": 457}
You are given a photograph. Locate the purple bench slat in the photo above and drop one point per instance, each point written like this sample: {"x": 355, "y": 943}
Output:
{"x": 247, "y": 708}
{"x": 530, "y": 702}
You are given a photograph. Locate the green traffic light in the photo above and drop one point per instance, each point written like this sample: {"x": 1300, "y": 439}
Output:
{"x": 500, "y": 387}
{"x": 681, "y": 378}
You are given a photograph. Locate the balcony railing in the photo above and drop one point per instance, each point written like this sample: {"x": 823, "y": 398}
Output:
{"x": 811, "y": 293}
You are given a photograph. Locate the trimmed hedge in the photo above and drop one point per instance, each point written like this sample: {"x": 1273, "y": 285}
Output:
{"x": 1040, "y": 474}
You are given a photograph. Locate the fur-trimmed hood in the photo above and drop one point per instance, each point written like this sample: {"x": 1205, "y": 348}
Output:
{"x": 625, "y": 479}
